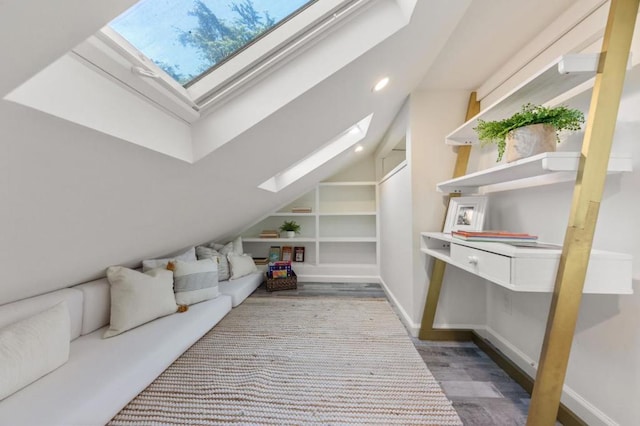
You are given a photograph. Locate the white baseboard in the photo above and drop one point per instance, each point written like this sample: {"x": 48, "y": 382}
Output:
{"x": 589, "y": 413}
{"x": 414, "y": 328}
{"x": 338, "y": 279}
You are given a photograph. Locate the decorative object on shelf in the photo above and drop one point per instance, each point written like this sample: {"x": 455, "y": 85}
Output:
{"x": 261, "y": 260}
{"x": 465, "y": 214}
{"x": 274, "y": 254}
{"x": 287, "y": 254}
{"x": 301, "y": 210}
{"x": 298, "y": 253}
{"x": 269, "y": 233}
{"x": 495, "y": 236}
{"x": 290, "y": 227}
{"x": 532, "y": 130}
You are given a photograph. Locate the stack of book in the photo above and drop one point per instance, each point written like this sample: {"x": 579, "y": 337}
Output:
{"x": 301, "y": 210}
{"x": 269, "y": 233}
{"x": 494, "y": 236}
{"x": 261, "y": 260}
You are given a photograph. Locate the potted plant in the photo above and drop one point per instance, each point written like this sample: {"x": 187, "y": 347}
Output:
{"x": 532, "y": 130}
{"x": 291, "y": 228}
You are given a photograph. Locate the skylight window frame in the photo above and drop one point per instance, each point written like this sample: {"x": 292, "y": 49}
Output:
{"x": 249, "y": 63}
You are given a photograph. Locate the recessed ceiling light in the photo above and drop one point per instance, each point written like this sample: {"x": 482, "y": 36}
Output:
{"x": 381, "y": 84}
{"x": 359, "y": 148}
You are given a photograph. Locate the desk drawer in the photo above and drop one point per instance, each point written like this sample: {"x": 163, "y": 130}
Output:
{"x": 492, "y": 266}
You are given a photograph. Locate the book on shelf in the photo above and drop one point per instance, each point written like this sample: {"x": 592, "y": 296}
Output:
{"x": 274, "y": 254}
{"x": 261, "y": 260}
{"x": 287, "y": 253}
{"x": 269, "y": 233}
{"x": 494, "y": 236}
{"x": 301, "y": 210}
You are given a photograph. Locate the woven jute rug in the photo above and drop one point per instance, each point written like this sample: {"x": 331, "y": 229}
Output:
{"x": 297, "y": 361}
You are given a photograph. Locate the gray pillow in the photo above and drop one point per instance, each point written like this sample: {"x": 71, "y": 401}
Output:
{"x": 203, "y": 252}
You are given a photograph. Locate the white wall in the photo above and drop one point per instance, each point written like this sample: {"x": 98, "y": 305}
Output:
{"x": 395, "y": 242}
{"x": 432, "y": 115}
{"x": 410, "y": 205}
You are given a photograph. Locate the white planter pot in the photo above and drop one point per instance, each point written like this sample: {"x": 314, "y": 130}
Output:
{"x": 291, "y": 234}
{"x": 530, "y": 140}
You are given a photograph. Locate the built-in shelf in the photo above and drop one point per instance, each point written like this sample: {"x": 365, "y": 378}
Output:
{"x": 528, "y": 269}
{"x": 538, "y": 165}
{"x": 558, "y": 77}
{"x": 348, "y": 240}
{"x": 279, "y": 240}
{"x": 339, "y": 235}
{"x": 348, "y": 214}
{"x": 280, "y": 214}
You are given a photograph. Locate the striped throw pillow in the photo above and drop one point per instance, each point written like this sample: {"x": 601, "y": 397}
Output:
{"x": 195, "y": 282}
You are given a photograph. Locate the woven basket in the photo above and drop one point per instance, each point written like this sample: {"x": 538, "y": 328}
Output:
{"x": 288, "y": 283}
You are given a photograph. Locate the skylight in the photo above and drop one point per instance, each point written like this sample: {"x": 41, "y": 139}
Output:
{"x": 330, "y": 150}
{"x": 190, "y": 38}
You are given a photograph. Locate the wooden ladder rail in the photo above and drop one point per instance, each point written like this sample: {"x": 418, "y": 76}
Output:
{"x": 589, "y": 186}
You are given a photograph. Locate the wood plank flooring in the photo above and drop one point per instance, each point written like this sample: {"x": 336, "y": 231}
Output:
{"x": 482, "y": 393}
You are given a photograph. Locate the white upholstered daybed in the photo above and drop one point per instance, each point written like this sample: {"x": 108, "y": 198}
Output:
{"x": 102, "y": 375}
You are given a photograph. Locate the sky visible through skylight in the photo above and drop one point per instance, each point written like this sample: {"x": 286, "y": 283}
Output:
{"x": 188, "y": 37}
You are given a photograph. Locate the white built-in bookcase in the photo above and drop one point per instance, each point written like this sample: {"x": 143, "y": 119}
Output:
{"x": 339, "y": 235}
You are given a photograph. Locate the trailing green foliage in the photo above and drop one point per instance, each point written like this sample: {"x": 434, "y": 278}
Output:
{"x": 290, "y": 226}
{"x": 561, "y": 118}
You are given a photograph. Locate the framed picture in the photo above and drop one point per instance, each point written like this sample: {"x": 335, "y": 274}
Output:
{"x": 298, "y": 254}
{"x": 274, "y": 254}
{"x": 465, "y": 214}
{"x": 287, "y": 253}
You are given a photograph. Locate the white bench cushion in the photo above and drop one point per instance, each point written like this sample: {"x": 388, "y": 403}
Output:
{"x": 97, "y": 304}
{"x": 16, "y": 311}
{"x": 241, "y": 288}
{"x": 103, "y": 375}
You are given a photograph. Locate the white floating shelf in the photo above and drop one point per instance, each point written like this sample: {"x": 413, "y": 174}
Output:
{"x": 538, "y": 165}
{"x": 279, "y": 240}
{"x": 528, "y": 269}
{"x": 558, "y": 77}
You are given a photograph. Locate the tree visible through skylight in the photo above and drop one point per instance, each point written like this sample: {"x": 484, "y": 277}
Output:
{"x": 187, "y": 38}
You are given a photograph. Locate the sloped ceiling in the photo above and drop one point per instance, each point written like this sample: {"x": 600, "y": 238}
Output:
{"x": 75, "y": 200}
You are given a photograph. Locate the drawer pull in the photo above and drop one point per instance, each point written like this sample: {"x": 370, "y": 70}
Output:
{"x": 473, "y": 260}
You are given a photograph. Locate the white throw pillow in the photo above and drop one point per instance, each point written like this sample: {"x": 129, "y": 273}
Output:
{"x": 137, "y": 297}
{"x": 241, "y": 265}
{"x": 195, "y": 282}
{"x": 237, "y": 246}
{"x": 187, "y": 256}
{"x": 33, "y": 347}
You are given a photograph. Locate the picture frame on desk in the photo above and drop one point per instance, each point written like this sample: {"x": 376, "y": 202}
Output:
{"x": 465, "y": 214}
{"x": 298, "y": 254}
